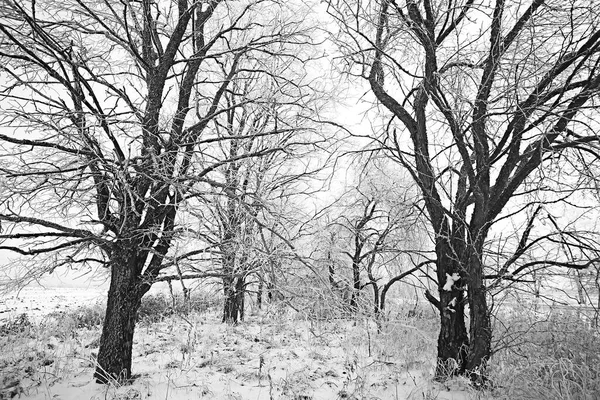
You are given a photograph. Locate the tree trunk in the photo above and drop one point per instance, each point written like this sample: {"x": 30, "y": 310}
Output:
{"x": 331, "y": 275}
{"x": 580, "y": 290}
{"x": 187, "y": 294}
{"x": 270, "y": 288}
{"x": 355, "y": 286}
{"x": 376, "y": 300}
{"x": 185, "y": 289}
{"x": 480, "y": 327}
{"x": 597, "y": 313}
{"x": 233, "y": 310}
{"x": 377, "y": 306}
{"x": 259, "y": 292}
{"x": 453, "y": 340}
{"x": 116, "y": 343}
{"x": 240, "y": 291}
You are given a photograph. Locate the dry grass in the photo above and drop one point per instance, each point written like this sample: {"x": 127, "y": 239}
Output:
{"x": 555, "y": 356}
{"x": 290, "y": 355}
{"x": 38, "y": 355}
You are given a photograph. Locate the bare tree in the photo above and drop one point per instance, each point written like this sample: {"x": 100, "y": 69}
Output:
{"x": 380, "y": 232}
{"x": 480, "y": 97}
{"x": 106, "y": 108}
{"x": 270, "y": 131}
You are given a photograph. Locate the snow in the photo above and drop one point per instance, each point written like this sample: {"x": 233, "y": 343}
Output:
{"x": 273, "y": 355}
{"x": 450, "y": 279}
{"x": 37, "y": 302}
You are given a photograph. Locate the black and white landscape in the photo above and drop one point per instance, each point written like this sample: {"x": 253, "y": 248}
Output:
{"x": 265, "y": 199}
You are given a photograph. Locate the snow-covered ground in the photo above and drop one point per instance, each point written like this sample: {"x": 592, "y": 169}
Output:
{"x": 275, "y": 354}
{"x": 39, "y": 301}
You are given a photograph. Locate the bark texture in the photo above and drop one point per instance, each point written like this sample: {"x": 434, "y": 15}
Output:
{"x": 116, "y": 343}
{"x": 234, "y": 290}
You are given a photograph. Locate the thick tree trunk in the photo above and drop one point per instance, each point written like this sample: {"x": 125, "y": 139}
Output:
{"x": 453, "y": 341}
{"x": 480, "y": 327}
{"x": 116, "y": 343}
{"x": 233, "y": 310}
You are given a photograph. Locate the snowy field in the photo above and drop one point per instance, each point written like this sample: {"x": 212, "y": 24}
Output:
{"x": 38, "y": 302}
{"x": 275, "y": 354}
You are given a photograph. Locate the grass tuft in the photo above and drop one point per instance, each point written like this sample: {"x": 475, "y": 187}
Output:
{"x": 556, "y": 358}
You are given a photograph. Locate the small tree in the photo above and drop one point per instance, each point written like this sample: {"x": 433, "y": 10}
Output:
{"x": 379, "y": 223}
{"x": 272, "y": 118}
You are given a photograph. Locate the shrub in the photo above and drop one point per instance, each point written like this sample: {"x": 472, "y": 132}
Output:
{"x": 16, "y": 325}
{"x": 156, "y": 307}
{"x": 89, "y": 316}
{"x": 556, "y": 358}
{"x": 64, "y": 323}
